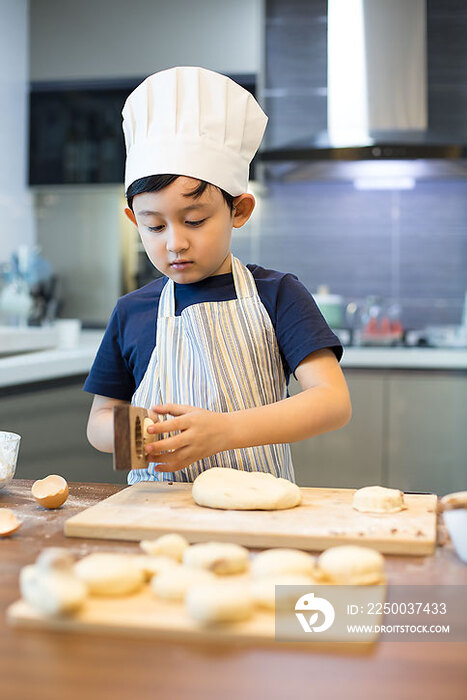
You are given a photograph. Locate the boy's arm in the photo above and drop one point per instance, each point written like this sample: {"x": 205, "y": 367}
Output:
{"x": 100, "y": 429}
{"x": 323, "y": 405}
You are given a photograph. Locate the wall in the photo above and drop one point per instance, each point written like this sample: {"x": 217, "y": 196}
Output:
{"x": 79, "y": 229}
{"x": 127, "y": 38}
{"x": 295, "y": 79}
{"x": 447, "y": 66}
{"x": 17, "y": 223}
{"x": 409, "y": 246}
{"x": 295, "y": 75}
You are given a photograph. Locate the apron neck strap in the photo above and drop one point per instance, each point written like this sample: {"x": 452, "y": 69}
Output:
{"x": 244, "y": 282}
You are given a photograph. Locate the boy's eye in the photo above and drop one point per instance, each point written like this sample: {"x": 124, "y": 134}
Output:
{"x": 156, "y": 229}
{"x": 196, "y": 223}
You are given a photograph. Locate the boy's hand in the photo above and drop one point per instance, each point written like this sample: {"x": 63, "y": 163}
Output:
{"x": 201, "y": 433}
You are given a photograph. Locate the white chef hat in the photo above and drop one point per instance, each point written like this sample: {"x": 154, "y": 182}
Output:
{"x": 195, "y": 122}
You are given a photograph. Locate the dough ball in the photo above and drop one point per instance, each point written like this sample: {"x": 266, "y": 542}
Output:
{"x": 171, "y": 545}
{"x": 273, "y": 562}
{"x": 220, "y": 601}
{"x": 174, "y": 582}
{"x": 263, "y": 590}
{"x": 52, "y": 592}
{"x": 351, "y": 564}
{"x": 56, "y": 559}
{"x": 152, "y": 566}
{"x": 453, "y": 501}
{"x": 148, "y": 437}
{"x": 378, "y": 499}
{"x": 109, "y": 574}
{"x": 50, "y": 492}
{"x": 233, "y": 489}
{"x": 217, "y": 557}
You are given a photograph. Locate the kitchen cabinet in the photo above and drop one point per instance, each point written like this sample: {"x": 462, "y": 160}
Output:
{"x": 51, "y": 418}
{"x": 426, "y": 431}
{"x": 407, "y": 431}
{"x": 352, "y": 456}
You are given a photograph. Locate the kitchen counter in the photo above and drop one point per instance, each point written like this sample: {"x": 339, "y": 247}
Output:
{"x": 405, "y": 358}
{"x": 46, "y": 664}
{"x": 57, "y": 363}
{"x": 50, "y": 364}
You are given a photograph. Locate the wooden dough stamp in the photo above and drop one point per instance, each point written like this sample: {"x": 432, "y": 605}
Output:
{"x": 130, "y": 437}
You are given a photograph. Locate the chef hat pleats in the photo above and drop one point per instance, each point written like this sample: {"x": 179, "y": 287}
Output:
{"x": 192, "y": 121}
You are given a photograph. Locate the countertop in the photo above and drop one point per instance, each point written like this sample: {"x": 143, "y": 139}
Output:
{"x": 46, "y": 664}
{"x": 60, "y": 362}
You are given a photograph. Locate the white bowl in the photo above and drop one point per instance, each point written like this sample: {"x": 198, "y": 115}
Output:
{"x": 456, "y": 523}
{"x": 9, "y": 448}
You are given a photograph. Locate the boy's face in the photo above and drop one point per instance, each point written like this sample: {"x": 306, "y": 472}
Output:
{"x": 188, "y": 239}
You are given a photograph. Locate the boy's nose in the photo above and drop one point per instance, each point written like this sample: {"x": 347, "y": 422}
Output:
{"x": 176, "y": 241}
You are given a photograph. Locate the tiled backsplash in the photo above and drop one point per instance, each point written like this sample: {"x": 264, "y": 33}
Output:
{"x": 406, "y": 246}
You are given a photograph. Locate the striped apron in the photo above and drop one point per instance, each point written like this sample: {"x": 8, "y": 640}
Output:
{"x": 222, "y": 356}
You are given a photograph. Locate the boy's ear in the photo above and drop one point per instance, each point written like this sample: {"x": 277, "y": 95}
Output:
{"x": 130, "y": 215}
{"x": 243, "y": 209}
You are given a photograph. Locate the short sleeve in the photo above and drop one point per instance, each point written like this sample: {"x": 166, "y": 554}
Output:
{"x": 109, "y": 375}
{"x": 300, "y": 326}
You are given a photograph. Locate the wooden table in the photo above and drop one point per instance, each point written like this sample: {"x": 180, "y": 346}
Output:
{"x": 43, "y": 664}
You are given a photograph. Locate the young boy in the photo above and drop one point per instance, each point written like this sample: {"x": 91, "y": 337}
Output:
{"x": 210, "y": 345}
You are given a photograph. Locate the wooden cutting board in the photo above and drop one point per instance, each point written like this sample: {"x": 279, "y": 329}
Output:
{"x": 324, "y": 518}
{"x": 145, "y": 614}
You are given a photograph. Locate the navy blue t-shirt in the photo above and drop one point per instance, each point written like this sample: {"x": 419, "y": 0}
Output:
{"x": 130, "y": 337}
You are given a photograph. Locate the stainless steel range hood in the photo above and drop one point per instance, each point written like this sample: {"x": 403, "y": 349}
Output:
{"x": 377, "y": 88}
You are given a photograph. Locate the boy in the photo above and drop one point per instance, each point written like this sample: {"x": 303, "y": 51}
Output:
{"x": 209, "y": 346}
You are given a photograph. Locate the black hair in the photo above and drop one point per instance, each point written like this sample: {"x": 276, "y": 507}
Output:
{"x": 153, "y": 183}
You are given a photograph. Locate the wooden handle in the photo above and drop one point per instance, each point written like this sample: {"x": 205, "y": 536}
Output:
{"x": 128, "y": 448}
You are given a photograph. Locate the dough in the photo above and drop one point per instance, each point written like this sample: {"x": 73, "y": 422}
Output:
{"x": 234, "y": 489}
{"x": 173, "y": 583}
{"x": 263, "y": 590}
{"x": 106, "y": 573}
{"x": 351, "y": 564}
{"x": 218, "y": 557}
{"x": 50, "y": 585}
{"x": 171, "y": 545}
{"x": 453, "y": 501}
{"x": 378, "y": 499}
{"x": 273, "y": 562}
{"x": 55, "y": 558}
{"x": 152, "y": 566}
{"x": 221, "y": 601}
{"x": 148, "y": 437}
